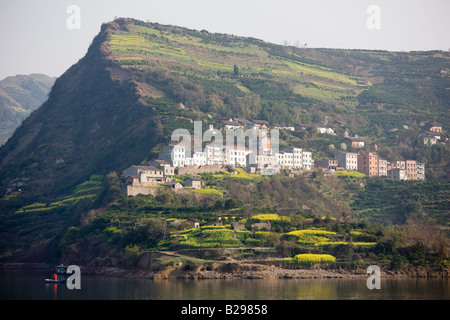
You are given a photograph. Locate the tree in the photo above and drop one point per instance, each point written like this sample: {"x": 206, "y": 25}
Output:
{"x": 157, "y": 231}
{"x": 231, "y": 204}
{"x": 218, "y": 205}
{"x": 236, "y": 70}
{"x": 394, "y": 237}
{"x": 110, "y": 189}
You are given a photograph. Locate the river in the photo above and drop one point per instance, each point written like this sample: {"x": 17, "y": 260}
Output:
{"x": 25, "y": 284}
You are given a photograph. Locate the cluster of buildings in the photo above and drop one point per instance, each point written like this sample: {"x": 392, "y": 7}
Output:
{"x": 267, "y": 161}
{"x": 262, "y": 157}
{"x": 239, "y": 157}
{"x": 432, "y": 133}
{"x": 371, "y": 165}
{"x": 264, "y": 160}
{"x": 158, "y": 172}
{"x": 161, "y": 171}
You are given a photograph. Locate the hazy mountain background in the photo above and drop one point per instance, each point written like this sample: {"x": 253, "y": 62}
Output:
{"x": 19, "y": 96}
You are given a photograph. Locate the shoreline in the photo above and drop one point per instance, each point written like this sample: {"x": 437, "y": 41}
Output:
{"x": 244, "y": 271}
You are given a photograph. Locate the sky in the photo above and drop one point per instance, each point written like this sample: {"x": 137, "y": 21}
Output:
{"x": 49, "y": 36}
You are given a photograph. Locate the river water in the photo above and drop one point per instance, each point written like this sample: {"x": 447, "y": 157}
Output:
{"x": 29, "y": 285}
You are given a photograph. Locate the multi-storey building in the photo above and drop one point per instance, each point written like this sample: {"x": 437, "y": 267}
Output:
{"x": 264, "y": 145}
{"x": 420, "y": 167}
{"x": 409, "y": 166}
{"x": 214, "y": 155}
{"x": 177, "y": 155}
{"x": 411, "y": 169}
{"x": 353, "y": 142}
{"x": 261, "y": 161}
{"x": 368, "y": 164}
{"x": 347, "y": 160}
{"x": 329, "y": 164}
{"x": 197, "y": 159}
{"x": 285, "y": 159}
{"x": 399, "y": 164}
{"x": 174, "y": 154}
{"x": 297, "y": 156}
{"x": 165, "y": 166}
{"x": 382, "y": 167}
{"x": 307, "y": 160}
{"x": 145, "y": 175}
{"x": 397, "y": 173}
{"x": 235, "y": 156}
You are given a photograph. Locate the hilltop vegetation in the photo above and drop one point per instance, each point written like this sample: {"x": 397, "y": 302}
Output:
{"x": 249, "y": 78}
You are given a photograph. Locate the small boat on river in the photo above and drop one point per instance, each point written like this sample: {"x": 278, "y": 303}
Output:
{"x": 59, "y": 274}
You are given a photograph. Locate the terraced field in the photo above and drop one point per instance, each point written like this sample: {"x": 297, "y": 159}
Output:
{"x": 142, "y": 46}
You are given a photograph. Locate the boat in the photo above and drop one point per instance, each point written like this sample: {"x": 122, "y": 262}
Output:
{"x": 59, "y": 274}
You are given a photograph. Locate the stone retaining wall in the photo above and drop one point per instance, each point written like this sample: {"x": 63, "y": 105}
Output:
{"x": 199, "y": 169}
{"x": 154, "y": 191}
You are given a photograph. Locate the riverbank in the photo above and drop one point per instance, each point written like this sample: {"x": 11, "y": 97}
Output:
{"x": 240, "y": 270}
{"x": 258, "y": 271}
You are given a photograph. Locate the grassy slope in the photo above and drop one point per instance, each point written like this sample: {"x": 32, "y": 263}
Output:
{"x": 191, "y": 52}
{"x": 359, "y": 83}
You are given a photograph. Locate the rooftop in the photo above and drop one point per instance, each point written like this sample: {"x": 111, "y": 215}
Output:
{"x": 354, "y": 139}
{"x": 151, "y": 168}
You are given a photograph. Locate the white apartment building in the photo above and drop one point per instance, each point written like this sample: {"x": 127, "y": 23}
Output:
{"x": 285, "y": 159}
{"x": 382, "y": 167}
{"x": 266, "y": 161}
{"x": 347, "y": 160}
{"x": 235, "y": 156}
{"x": 297, "y": 159}
{"x": 197, "y": 159}
{"x": 261, "y": 161}
{"x": 214, "y": 155}
{"x": 174, "y": 154}
{"x": 307, "y": 161}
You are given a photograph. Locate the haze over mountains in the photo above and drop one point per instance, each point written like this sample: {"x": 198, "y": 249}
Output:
{"x": 19, "y": 96}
